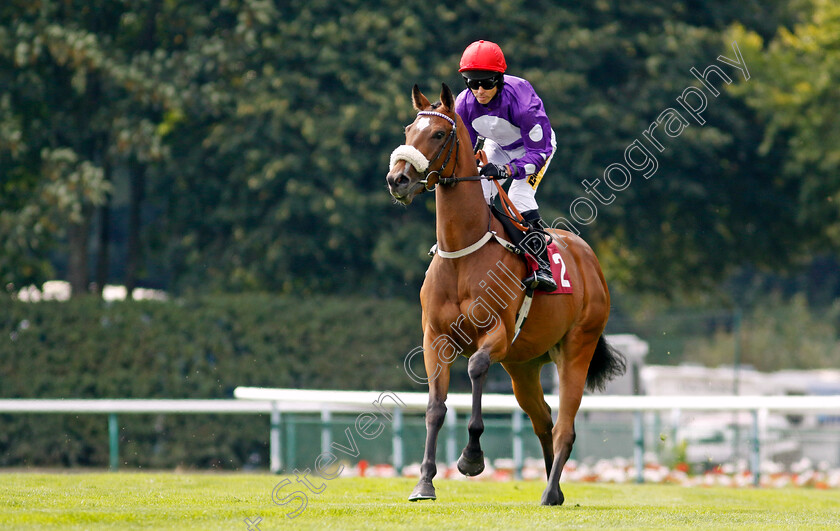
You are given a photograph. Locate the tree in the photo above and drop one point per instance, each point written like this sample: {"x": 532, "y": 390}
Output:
{"x": 780, "y": 334}
{"x": 78, "y": 101}
{"x": 255, "y": 136}
{"x": 798, "y": 102}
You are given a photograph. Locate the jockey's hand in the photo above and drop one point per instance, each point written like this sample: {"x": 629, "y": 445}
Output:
{"x": 495, "y": 171}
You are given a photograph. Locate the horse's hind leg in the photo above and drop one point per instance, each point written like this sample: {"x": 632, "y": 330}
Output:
{"x": 471, "y": 462}
{"x": 572, "y": 365}
{"x": 528, "y": 390}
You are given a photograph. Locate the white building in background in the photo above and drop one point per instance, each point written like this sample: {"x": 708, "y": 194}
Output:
{"x": 698, "y": 380}
{"x": 714, "y": 437}
{"x": 693, "y": 379}
{"x": 631, "y": 382}
{"x": 635, "y": 351}
{"x": 60, "y": 290}
{"x": 689, "y": 379}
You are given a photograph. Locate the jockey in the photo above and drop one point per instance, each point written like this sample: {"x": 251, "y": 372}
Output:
{"x": 519, "y": 141}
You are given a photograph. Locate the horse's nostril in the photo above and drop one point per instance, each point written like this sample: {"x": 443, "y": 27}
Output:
{"x": 397, "y": 180}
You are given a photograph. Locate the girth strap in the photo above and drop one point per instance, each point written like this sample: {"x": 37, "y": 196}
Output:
{"x": 523, "y": 313}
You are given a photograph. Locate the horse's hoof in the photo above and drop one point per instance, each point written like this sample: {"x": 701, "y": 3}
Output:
{"x": 471, "y": 467}
{"x": 552, "y": 497}
{"x": 423, "y": 491}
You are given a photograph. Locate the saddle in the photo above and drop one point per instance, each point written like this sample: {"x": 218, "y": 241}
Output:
{"x": 516, "y": 235}
{"x": 512, "y": 231}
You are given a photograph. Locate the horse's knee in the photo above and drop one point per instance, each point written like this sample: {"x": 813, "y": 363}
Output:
{"x": 435, "y": 414}
{"x": 478, "y": 365}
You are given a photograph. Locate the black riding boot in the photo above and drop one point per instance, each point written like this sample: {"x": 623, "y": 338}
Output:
{"x": 542, "y": 278}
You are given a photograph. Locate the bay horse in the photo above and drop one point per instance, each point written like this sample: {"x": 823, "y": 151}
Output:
{"x": 463, "y": 314}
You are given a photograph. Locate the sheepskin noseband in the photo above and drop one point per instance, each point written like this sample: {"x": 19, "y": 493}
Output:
{"x": 410, "y": 154}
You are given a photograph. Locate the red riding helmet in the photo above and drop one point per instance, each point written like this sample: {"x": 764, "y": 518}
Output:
{"x": 483, "y": 55}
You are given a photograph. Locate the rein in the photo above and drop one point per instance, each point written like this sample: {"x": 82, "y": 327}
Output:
{"x": 456, "y": 180}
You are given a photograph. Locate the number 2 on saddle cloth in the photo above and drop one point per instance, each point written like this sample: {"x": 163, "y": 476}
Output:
{"x": 516, "y": 222}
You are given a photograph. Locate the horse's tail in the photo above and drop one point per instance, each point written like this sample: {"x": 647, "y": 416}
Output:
{"x": 607, "y": 363}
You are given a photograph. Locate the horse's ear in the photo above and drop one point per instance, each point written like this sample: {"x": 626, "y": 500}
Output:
{"x": 446, "y": 97}
{"x": 418, "y": 99}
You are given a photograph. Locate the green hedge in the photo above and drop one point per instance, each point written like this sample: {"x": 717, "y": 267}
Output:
{"x": 194, "y": 348}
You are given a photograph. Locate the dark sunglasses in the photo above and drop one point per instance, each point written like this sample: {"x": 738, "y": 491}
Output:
{"x": 486, "y": 84}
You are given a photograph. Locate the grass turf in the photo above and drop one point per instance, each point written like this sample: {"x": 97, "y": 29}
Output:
{"x": 130, "y": 500}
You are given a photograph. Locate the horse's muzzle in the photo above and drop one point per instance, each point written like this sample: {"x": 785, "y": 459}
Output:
{"x": 400, "y": 186}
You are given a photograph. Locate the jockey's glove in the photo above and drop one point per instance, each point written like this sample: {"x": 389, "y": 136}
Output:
{"x": 494, "y": 171}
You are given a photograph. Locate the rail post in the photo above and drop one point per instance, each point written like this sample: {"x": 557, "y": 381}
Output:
{"x": 517, "y": 443}
{"x": 758, "y": 432}
{"x": 114, "y": 442}
{"x": 326, "y": 436}
{"x": 639, "y": 448}
{"x": 274, "y": 439}
{"x": 397, "y": 441}
{"x": 291, "y": 441}
{"x": 451, "y": 429}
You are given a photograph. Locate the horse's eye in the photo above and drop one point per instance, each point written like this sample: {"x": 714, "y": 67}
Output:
{"x": 439, "y": 135}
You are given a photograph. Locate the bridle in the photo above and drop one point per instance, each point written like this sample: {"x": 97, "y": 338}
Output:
{"x": 413, "y": 156}
{"x": 451, "y": 141}
{"x": 418, "y": 160}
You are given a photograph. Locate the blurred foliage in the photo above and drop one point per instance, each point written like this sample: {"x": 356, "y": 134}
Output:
{"x": 783, "y": 322}
{"x": 249, "y": 141}
{"x": 259, "y": 134}
{"x": 799, "y": 103}
{"x": 196, "y": 348}
{"x": 80, "y": 91}
{"x": 780, "y": 335}
{"x": 204, "y": 347}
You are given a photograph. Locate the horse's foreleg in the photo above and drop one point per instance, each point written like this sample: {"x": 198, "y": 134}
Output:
{"x": 471, "y": 462}
{"x": 435, "y": 415}
{"x": 572, "y": 366}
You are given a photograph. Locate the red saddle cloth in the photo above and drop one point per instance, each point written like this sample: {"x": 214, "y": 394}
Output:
{"x": 558, "y": 270}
